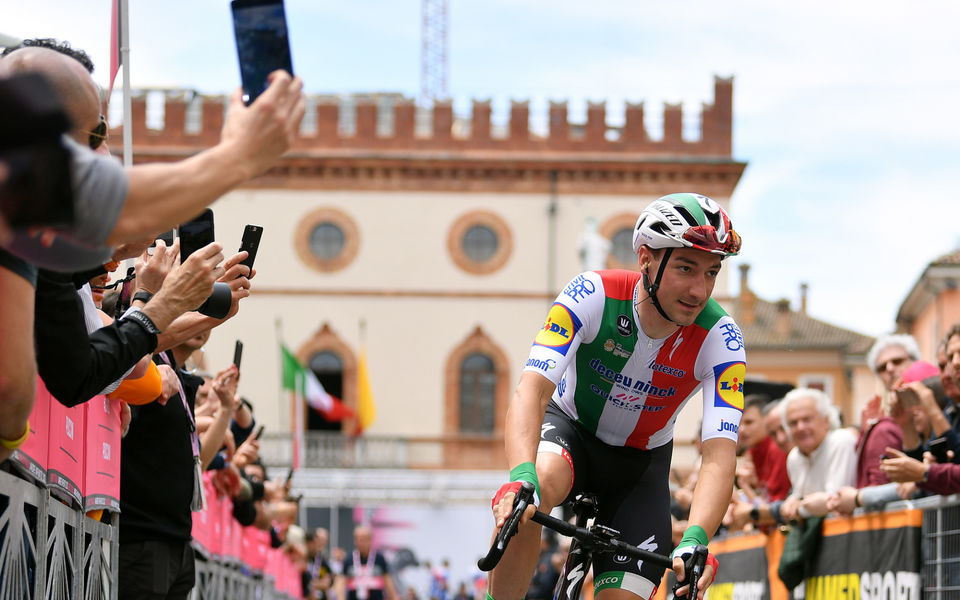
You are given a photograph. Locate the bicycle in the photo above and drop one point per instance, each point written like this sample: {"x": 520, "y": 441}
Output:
{"x": 586, "y": 541}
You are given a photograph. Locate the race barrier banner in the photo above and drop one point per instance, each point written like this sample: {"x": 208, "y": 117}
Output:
{"x": 872, "y": 556}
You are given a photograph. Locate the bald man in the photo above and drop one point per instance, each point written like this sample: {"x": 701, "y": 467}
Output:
{"x": 366, "y": 575}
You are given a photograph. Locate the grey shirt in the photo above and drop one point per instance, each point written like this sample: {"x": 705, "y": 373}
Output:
{"x": 100, "y": 189}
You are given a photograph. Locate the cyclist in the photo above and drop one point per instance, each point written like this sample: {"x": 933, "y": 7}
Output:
{"x": 620, "y": 354}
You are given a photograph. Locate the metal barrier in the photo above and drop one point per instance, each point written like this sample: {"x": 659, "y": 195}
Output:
{"x": 941, "y": 547}
{"x": 49, "y": 550}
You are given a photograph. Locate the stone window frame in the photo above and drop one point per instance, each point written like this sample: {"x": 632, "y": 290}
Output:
{"x": 351, "y": 239}
{"x": 476, "y": 342}
{"x": 610, "y": 227}
{"x": 496, "y": 224}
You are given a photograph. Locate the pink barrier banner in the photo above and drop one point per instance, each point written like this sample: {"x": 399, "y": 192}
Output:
{"x": 272, "y": 569}
{"x": 31, "y": 458}
{"x": 102, "y": 458}
{"x": 294, "y": 586}
{"x": 215, "y": 510}
{"x": 202, "y": 531}
{"x": 67, "y": 445}
{"x": 227, "y": 523}
{"x": 256, "y": 542}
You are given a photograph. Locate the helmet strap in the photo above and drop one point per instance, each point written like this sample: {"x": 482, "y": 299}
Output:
{"x": 651, "y": 288}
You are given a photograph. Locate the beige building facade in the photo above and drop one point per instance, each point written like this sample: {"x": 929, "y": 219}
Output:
{"x": 439, "y": 254}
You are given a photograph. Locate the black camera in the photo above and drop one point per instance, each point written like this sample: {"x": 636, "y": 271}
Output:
{"x": 37, "y": 190}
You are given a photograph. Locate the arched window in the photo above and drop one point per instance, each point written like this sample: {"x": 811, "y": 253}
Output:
{"x": 478, "y": 382}
{"x": 328, "y": 367}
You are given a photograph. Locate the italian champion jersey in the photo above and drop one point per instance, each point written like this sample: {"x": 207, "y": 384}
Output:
{"x": 627, "y": 388}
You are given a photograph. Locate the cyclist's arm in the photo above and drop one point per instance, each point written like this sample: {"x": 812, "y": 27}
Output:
{"x": 714, "y": 484}
{"x": 524, "y": 417}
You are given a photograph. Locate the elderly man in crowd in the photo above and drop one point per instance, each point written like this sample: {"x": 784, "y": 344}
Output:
{"x": 824, "y": 458}
{"x": 769, "y": 461}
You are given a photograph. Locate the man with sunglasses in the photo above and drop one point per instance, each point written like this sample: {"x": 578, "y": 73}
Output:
{"x": 620, "y": 354}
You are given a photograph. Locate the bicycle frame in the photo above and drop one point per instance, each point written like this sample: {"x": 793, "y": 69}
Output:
{"x": 580, "y": 557}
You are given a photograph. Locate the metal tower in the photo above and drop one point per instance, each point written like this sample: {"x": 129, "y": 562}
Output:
{"x": 433, "y": 51}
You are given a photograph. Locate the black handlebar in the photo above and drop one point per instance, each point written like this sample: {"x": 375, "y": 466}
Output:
{"x": 520, "y": 504}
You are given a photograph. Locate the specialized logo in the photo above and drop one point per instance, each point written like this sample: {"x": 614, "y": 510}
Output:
{"x": 542, "y": 365}
{"x": 616, "y": 348}
{"x": 624, "y": 325}
{"x": 575, "y": 575}
{"x": 732, "y": 336}
{"x": 558, "y": 331}
{"x": 728, "y": 426}
{"x": 579, "y": 288}
{"x": 676, "y": 344}
{"x": 545, "y": 428}
{"x": 729, "y": 392}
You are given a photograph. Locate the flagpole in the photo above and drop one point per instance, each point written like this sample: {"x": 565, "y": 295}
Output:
{"x": 127, "y": 100}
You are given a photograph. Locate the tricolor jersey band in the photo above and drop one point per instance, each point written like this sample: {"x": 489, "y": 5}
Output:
{"x": 626, "y": 388}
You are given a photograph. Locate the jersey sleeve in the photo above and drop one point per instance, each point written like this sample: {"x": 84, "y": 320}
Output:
{"x": 721, "y": 367}
{"x": 572, "y": 319}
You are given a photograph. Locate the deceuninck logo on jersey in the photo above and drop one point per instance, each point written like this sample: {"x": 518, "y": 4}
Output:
{"x": 558, "y": 330}
{"x": 730, "y": 378}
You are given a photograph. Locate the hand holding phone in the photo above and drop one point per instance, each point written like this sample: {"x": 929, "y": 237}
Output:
{"x": 237, "y": 353}
{"x": 907, "y": 398}
{"x": 259, "y": 432}
{"x": 250, "y": 243}
{"x": 195, "y": 234}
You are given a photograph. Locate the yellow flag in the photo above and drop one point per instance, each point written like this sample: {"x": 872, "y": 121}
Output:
{"x": 366, "y": 409}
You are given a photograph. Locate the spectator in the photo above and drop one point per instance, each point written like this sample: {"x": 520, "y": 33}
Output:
{"x": 317, "y": 578}
{"x": 769, "y": 461}
{"x": 773, "y": 423}
{"x": 824, "y": 457}
{"x": 365, "y": 575}
{"x": 890, "y": 356}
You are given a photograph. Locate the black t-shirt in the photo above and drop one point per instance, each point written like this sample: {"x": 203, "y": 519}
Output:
{"x": 317, "y": 568}
{"x": 156, "y": 469}
{"x": 360, "y": 579}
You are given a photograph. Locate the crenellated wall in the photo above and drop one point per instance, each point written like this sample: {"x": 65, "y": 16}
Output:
{"x": 595, "y": 135}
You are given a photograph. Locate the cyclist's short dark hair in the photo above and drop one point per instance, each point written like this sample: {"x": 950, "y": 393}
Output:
{"x": 56, "y": 45}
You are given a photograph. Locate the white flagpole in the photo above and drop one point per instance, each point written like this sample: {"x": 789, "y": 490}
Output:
{"x": 127, "y": 101}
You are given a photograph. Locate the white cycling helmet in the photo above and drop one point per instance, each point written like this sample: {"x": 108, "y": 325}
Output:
{"x": 686, "y": 221}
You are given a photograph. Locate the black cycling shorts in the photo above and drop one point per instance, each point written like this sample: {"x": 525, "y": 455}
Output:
{"x": 633, "y": 497}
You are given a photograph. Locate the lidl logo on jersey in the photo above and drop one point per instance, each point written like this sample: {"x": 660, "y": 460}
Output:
{"x": 730, "y": 378}
{"x": 558, "y": 331}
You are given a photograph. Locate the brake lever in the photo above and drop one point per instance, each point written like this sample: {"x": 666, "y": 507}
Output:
{"x": 693, "y": 569}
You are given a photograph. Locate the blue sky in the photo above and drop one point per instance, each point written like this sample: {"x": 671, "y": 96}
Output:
{"x": 848, "y": 113}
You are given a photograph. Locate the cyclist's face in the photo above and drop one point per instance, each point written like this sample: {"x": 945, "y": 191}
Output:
{"x": 687, "y": 281}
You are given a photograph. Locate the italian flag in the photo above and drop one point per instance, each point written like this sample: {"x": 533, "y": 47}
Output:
{"x": 303, "y": 382}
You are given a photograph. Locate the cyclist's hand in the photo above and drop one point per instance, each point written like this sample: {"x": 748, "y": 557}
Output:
{"x": 709, "y": 572}
{"x": 503, "y": 504}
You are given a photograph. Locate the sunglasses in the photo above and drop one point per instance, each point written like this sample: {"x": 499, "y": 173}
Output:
{"x": 99, "y": 134}
{"x": 882, "y": 367}
{"x": 704, "y": 237}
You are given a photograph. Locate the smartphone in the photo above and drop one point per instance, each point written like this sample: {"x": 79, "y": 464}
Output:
{"x": 907, "y": 397}
{"x": 259, "y": 432}
{"x": 195, "y": 234}
{"x": 237, "y": 353}
{"x": 260, "y": 29}
{"x": 938, "y": 448}
{"x": 36, "y": 189}
{"x": 166, "y": 236}
{"x": 250, "y": 243}
{"x": 289, "y": 474}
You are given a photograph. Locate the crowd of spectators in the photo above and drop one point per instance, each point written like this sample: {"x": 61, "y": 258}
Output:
{"x": 131, "y": 344}
{"x": 797, "y": 461}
